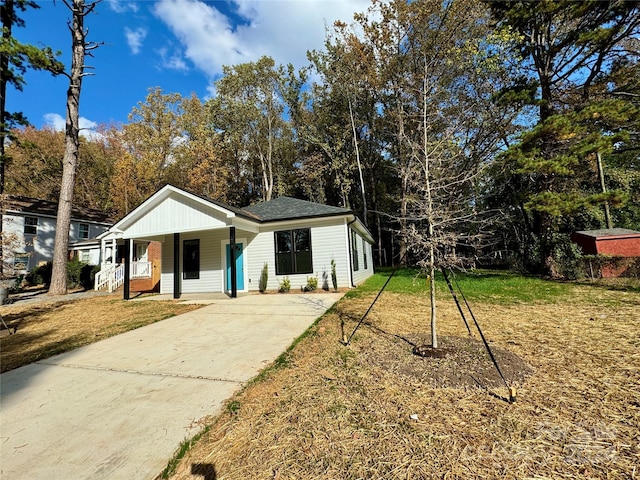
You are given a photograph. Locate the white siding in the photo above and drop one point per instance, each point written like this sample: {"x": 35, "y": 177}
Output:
{"x": 327, "y": 243}
{"x": 175, "y": 214}
{"x": 38, "y": 246}
{"x": 364, "y": 248}
{"x": 212, "y": 261}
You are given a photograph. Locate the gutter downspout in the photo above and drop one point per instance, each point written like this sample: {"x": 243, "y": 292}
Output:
{"x": 350, "y": 252}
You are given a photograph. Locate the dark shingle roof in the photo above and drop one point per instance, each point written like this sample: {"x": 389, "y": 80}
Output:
{"x": 35, "y": 206}
{"x": 287, "y": 208}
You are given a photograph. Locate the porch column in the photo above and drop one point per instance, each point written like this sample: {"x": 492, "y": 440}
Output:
{"x": 103, "y": 253}
{"x": 176, "y": 266}
{"x": 232, "y": 252}
{"x": 114, "y": 251}
{"x": 127, "y": 268}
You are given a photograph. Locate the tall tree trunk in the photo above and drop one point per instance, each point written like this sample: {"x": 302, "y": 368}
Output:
{"x": 355, "y": 145}
{"x": 7, "y": 21}
{"x": 430, "y": 213}
{"x": 7, "y": 16}
{"x": 72, "y": 142}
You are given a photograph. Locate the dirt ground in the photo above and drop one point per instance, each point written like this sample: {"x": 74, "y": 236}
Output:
{"x": 374, "y": 409}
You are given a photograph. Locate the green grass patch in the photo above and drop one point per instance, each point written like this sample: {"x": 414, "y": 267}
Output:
{"x": 501, "y": 287}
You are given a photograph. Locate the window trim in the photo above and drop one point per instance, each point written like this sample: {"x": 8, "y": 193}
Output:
{"x": 364, "y": 254}
{"x": 190, "y": 274}
{"x": 80, "y": 236}
{"x": 25, "y": 259}
{"x": 29, "y": 225}
{"x": 354, "y": 251}
{"x": 294, "y": 263}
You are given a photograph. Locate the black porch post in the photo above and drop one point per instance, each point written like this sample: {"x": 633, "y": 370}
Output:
{"x": 176, "y": 266}
{"x": 127, "y": 268}
{"x": 232, "y": 252}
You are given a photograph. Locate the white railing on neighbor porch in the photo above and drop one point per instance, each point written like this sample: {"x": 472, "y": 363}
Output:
{"x": 111, "y": 276}
{"x": 140, "y": 269}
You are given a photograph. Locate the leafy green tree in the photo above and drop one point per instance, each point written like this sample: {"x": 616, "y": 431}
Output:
{"x": 151, "y": 138}
{"x": 565, "y": 49}
{"x": 248, "y": 111}
{"x": 198, "y": 165}
{"x": 15, "y": 58}
{"x": 34, "y": 168}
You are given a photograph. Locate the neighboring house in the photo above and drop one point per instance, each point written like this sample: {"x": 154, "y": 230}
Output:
{"x": 295, "y": 238}
{"x": 621, "y": 244}
{"x": 29, "y": 229}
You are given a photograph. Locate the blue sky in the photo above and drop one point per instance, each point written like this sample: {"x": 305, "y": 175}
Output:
{"x": 177, "y": 45}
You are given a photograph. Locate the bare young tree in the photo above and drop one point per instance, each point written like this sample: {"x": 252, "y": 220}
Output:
{"x": 80, "y": 48}
{"x": 441, "y": 78}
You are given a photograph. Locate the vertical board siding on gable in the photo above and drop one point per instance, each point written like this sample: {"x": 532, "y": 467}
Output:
{"x": 174, "y": 214}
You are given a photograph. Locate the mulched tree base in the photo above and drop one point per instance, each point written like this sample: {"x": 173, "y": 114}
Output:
{"x": 458, "y": 362}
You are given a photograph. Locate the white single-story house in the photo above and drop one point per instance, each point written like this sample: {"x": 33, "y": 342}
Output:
{"x": 296, "y": 239}
{"x": 29, "y": 230}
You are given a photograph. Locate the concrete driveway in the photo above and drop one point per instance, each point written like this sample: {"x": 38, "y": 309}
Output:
{"x": 119, "y": 408}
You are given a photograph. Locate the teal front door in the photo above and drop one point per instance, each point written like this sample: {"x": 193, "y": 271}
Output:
{"x": 239, "y": 267}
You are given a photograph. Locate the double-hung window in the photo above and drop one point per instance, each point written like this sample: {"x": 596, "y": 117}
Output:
{"x": 354, "y": 251}
{"x": 31, "y": 225}
{"x": 364, "y": 254}
{"x": 83, "y": 231}
{"x": 293, "y": 251}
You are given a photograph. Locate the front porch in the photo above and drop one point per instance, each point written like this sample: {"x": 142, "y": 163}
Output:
{"x": 186, "y": 262}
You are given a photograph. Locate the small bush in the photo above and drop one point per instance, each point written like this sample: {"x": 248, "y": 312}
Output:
{"x": 40, "y": 275}
{"x": 334, "y": 276}
{"x": 285, "y": 285}
{"x": 325, "y": 281}
{"x": 74, "y": 272}
{"x": 312, "y": 284}
{"x": 79, "y": 274}
{"x": 264, "y": 276}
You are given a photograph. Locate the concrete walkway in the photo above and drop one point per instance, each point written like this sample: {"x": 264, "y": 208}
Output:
{"x": 119, "y": 408}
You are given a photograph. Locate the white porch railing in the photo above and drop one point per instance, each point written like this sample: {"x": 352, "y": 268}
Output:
{"x": 111, "y": 276}
{"x": 117, "y": 278}
{"x": 103, "y": 277}
{"x": 140, "y": 269}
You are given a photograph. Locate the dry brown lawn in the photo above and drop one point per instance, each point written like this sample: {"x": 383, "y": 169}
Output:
{"x": 373, "y": 410}
{"x": 46, "y": 329}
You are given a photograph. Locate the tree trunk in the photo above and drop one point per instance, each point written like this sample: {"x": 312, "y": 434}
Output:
{"x": 355, "y": 145}
{"x": 7, "y": 15}
{"x": 432, "y": 291}
{"x": 70, "y": 159}
{"x": 430, "y": 213}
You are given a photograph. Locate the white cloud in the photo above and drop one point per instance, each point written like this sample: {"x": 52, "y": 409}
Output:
{"x": 58, "y": 123}
{"x": 135, "y": 38}
{"x": 172, "y": 60}
{"x": 281, "y": 29}
{"x": 122, "y": 6}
